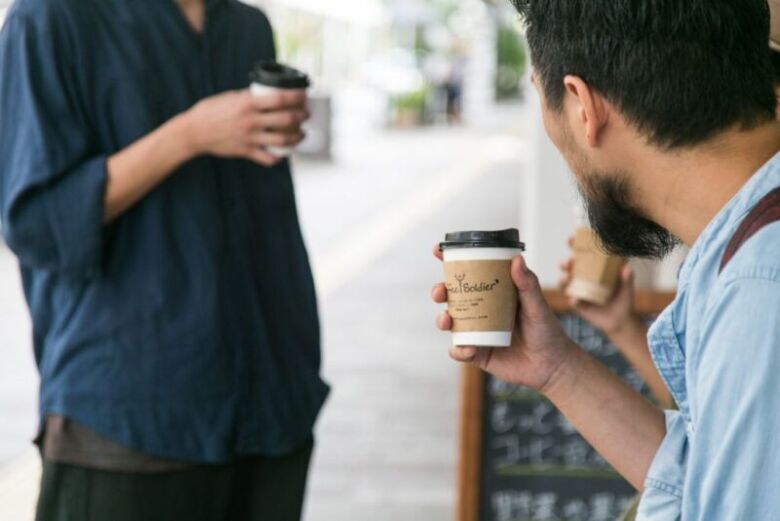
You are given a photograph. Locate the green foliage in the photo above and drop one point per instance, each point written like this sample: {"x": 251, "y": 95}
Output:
{"x": 511, "y": 59}
{"x": 421, "y": 47}
{"x": 412, "y": 101}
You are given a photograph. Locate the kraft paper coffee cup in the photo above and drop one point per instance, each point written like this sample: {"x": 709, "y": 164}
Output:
{"x": 595, "y": 274}
{"x": 481, "y": 297}
{"x": 268, "y": 77}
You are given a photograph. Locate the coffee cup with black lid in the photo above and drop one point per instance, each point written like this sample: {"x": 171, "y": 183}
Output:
{"x": 270, "y": 77}
{"x": 481, "y": 297}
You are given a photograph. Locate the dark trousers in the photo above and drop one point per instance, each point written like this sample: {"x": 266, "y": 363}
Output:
{"x": 253, "y": 489}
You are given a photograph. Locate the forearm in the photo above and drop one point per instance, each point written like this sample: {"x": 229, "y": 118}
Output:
{"x": 631, "y": 340}
{"x": 618, "y": 422}
{"x": 136, "y": 170}
{"x": 234, "y": 124}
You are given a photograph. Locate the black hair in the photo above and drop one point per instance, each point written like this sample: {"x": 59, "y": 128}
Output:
{"x": 776, "y": 66}
{"x": 681, "y": 71}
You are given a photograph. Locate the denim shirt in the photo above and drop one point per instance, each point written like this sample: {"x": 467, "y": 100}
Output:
{"x": 717, "y": 346}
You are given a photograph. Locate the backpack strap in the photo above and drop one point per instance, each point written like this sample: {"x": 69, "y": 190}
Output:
{"x": 766, "y": 212}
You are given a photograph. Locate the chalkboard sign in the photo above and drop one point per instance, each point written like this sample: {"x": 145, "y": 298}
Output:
{"x": 521, "y": 460}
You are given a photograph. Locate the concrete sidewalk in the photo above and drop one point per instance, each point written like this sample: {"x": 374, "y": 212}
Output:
{"x": 386, "y": 442}
{"x": 18, "y": 377}
{"x": 387, "y": 438}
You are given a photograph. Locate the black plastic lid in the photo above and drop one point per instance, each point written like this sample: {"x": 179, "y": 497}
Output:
{"x": 278, "y": 76}
{"x": 482, "y": 239}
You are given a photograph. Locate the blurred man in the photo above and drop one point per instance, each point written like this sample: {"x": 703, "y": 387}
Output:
{"x": 174, "y": 316}
{"x": 665, "y": 112}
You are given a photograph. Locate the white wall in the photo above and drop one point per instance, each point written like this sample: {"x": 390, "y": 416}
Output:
{"x": 548, "y": 199}
{"x": 479, "y": 96}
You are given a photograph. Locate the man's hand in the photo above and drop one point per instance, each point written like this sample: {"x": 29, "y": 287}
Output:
{"x": 233, "y": 124}
{"x": 540, "y": 348}
{"x": 614, "y": 316}
{"x": 238, "y": 124}
{"x": 616, "y": 420}
{"x": 622, "y": 325}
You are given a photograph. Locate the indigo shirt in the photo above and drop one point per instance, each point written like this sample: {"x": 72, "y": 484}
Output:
{"x": 187, "y": 328}
{"x": 718, "y": 349}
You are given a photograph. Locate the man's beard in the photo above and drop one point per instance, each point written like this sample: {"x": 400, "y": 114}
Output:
{"x": 622, "y": 228}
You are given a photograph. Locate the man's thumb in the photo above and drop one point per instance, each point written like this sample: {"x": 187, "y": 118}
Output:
{"x": 532, "y": 301}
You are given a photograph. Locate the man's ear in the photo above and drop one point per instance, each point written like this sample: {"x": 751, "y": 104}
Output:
{"x": 592, "y": 111}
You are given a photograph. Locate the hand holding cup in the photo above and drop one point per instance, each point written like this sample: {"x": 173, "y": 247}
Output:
{"x": 615, "y": 313}
{"x": 238, "y": 124}
{"x": 274, "y": 81}
{"x": 539, "y": 349}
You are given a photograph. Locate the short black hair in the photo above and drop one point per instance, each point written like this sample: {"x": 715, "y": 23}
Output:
{"x": 681, "y": 71}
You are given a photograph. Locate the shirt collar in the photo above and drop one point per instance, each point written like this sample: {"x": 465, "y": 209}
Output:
{"x": 729, "y": 217}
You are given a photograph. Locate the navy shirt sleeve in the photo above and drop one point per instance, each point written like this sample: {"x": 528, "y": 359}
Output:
{"x": 53, "y": 179}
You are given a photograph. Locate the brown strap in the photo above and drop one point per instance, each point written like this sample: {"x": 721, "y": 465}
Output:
{"x": 766, "y": 212}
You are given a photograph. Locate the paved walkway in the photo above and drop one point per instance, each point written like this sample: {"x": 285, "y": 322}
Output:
{"x": 387, "y": 437}
{"x": 18, "y": 379}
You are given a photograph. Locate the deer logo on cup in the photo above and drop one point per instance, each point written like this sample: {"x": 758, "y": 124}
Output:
{"x": 460, "y": 278}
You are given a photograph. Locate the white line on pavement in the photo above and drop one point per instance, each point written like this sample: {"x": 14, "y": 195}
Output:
{"x": 369, "y": 241}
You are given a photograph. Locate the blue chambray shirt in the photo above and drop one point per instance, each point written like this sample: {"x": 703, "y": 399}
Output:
{"x": 717, "y": 346}
{"x": 187, "y": 328}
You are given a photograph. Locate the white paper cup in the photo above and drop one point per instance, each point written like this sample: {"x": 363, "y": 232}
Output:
{"x": 270, "y": 77}
{"x": 482, "y": 299}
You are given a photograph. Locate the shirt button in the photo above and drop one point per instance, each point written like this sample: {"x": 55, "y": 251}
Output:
{"x": 689, "y": 428}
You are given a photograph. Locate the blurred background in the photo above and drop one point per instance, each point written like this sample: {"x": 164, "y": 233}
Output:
{"x": 424, "y": 121}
